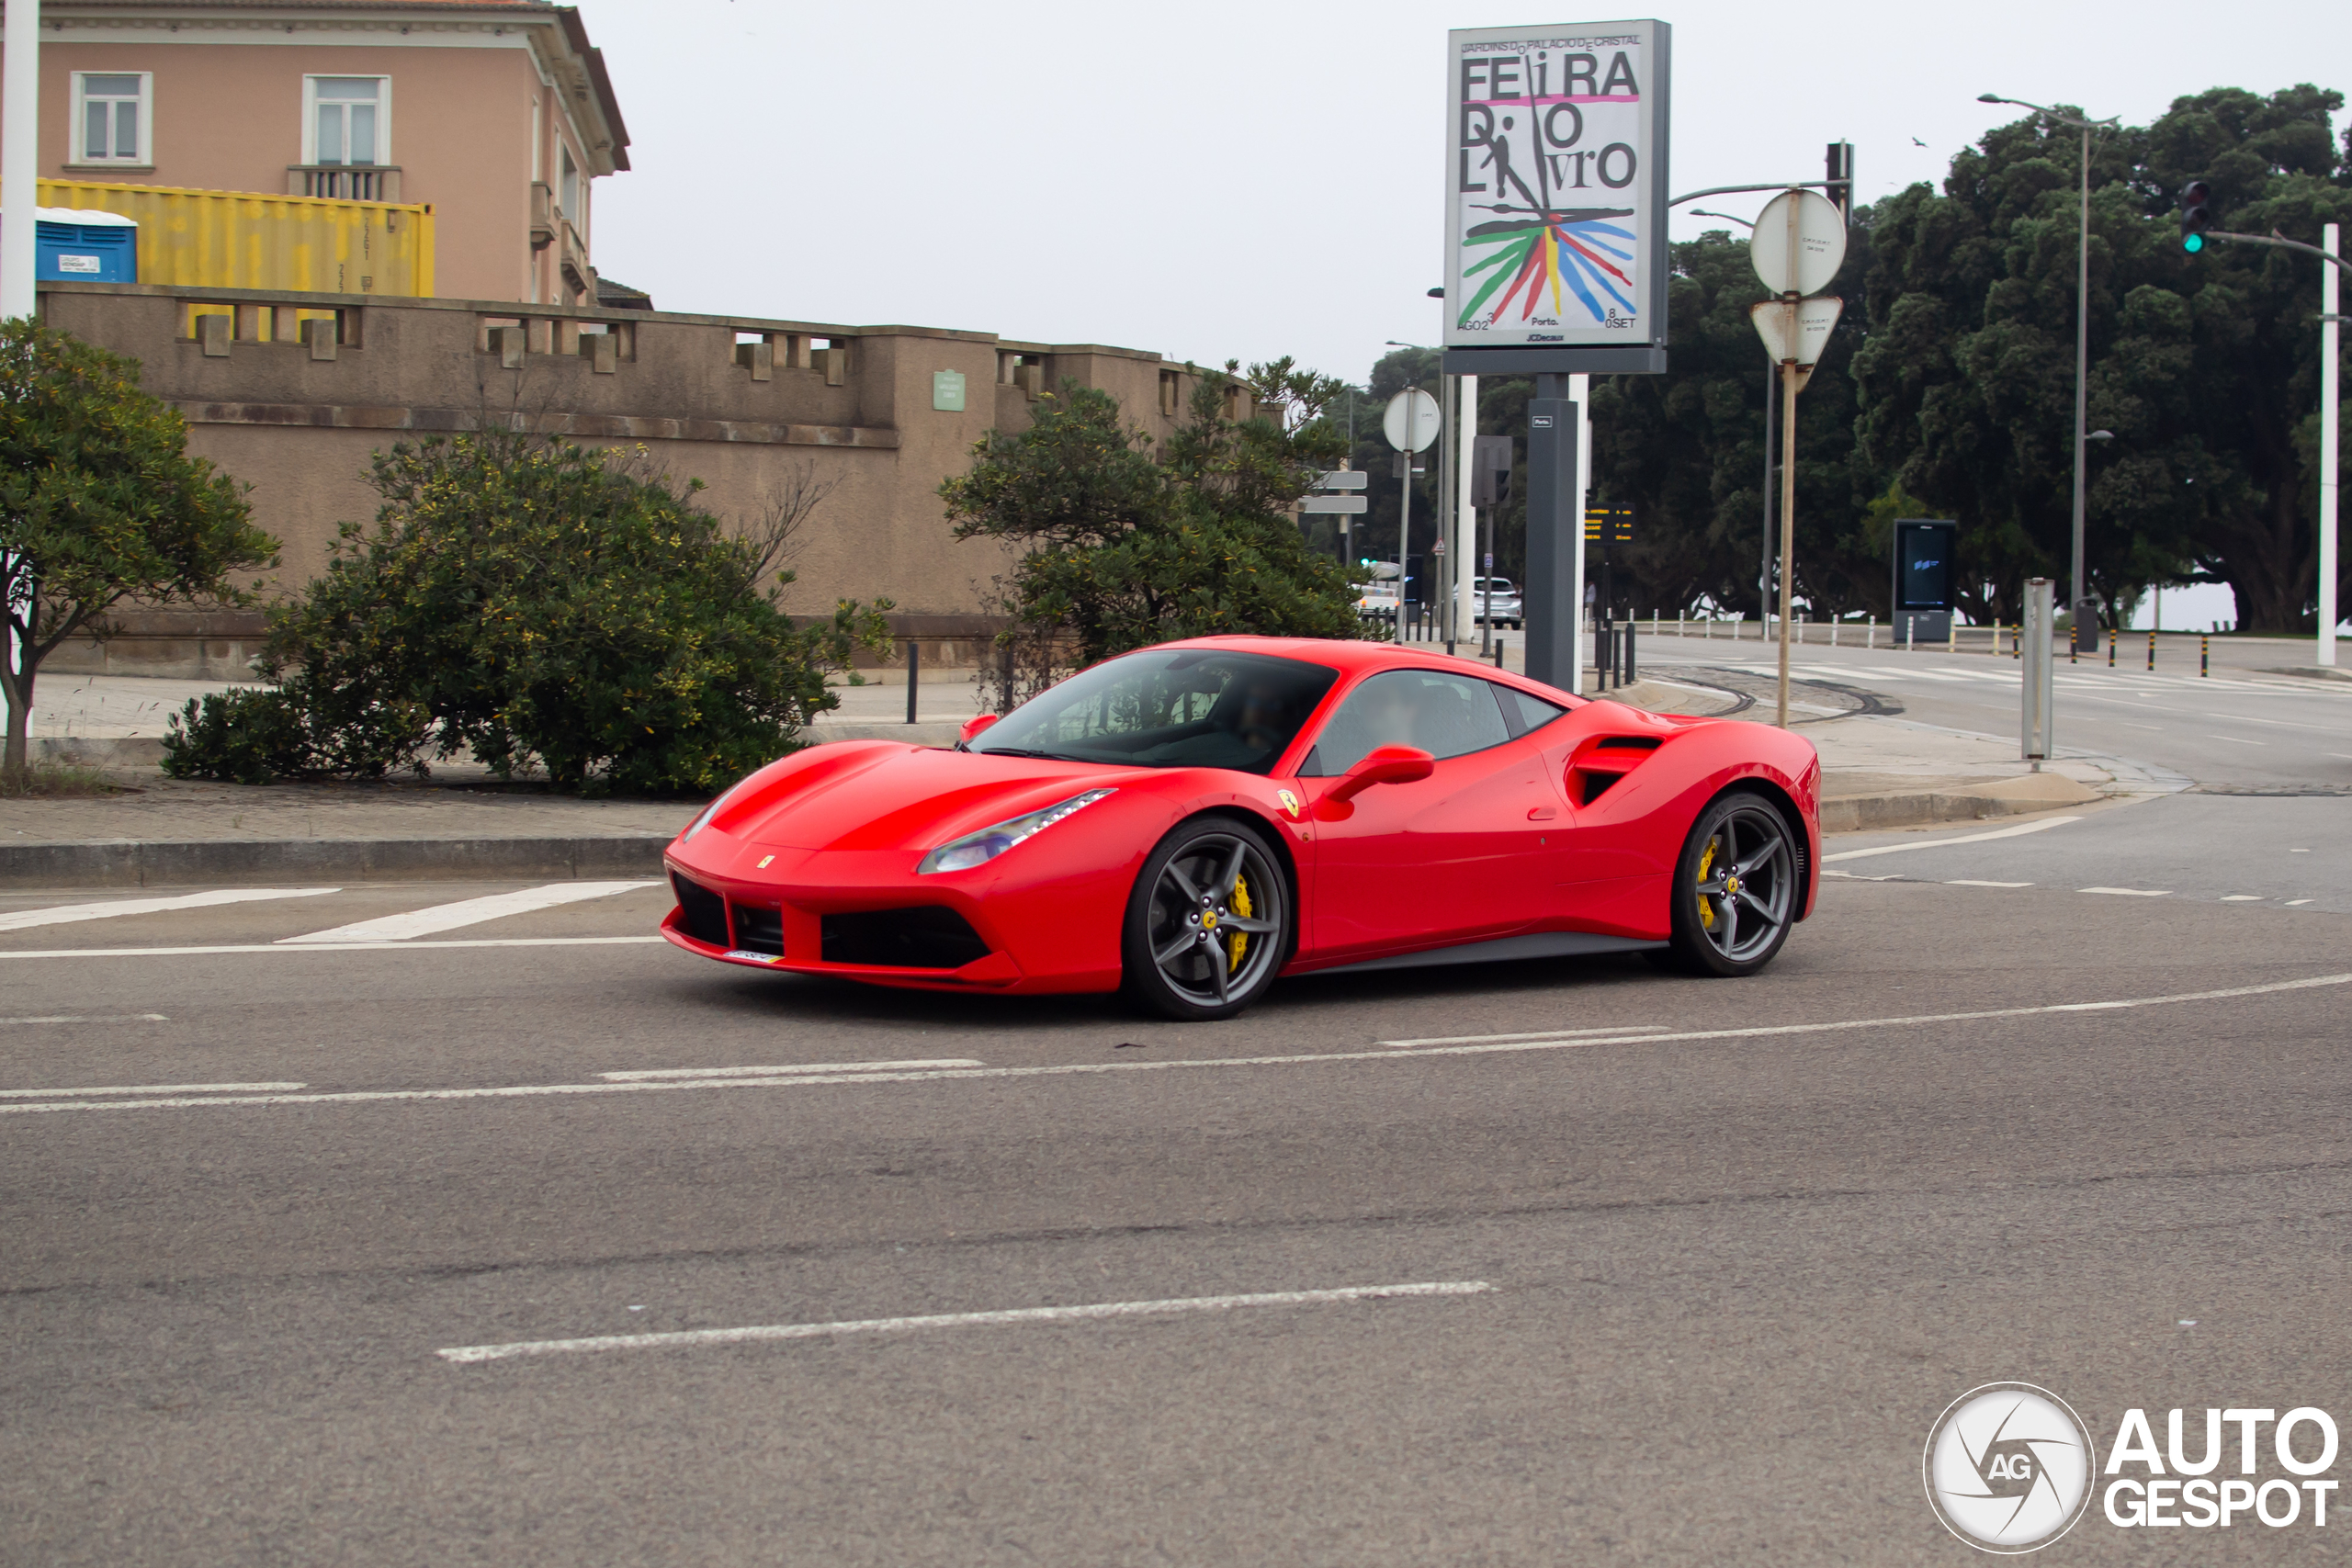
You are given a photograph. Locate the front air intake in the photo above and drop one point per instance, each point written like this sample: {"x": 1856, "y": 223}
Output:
{"x": 929, "y": 936}
{"x": 759, "y": 929}
{"x": 703, "y": 912}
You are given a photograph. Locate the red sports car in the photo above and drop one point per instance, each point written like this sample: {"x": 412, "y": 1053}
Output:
{"x": 1191, "y": 822}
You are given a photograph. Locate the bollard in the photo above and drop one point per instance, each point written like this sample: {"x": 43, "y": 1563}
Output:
{"x": 1833, "y": 633}
{"x": 1870, "y": 634}
{"x": 2151, "y": 648}
{"x": 1631, "y": 672}
{"x": 1498, "y": 653}
{"x": 1951, "y": 630}
{"x": 2204, "y": 654}
{"x": 914, "y": 675}
{"x": 1910, "y": 628}
{"x": 2110, "y": 648}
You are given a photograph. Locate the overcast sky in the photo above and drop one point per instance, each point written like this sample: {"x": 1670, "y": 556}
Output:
{"x": 1212, "y": 179}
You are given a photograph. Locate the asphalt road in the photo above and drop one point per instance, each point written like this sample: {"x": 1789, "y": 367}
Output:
{"x": 1693, "y": 1285}
{"x": 2247, "y": 726}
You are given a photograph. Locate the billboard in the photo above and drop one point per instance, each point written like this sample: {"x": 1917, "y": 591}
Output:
{"x": 1556, "y": 187}
{"x": 1923, "y": 563}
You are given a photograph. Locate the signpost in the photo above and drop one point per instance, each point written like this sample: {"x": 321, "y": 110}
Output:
{"x": 2036, "y": 713}
{"x": 1798, "y": 246}
{"x": 1410, "y": 424}
{"x": 1557, "y": 258}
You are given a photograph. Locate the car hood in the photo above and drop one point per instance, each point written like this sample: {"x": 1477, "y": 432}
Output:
{"x": 884, "y": 795}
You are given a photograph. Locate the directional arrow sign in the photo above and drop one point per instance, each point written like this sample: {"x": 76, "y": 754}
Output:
{"x": 1335, "y": 503}
{"x": 1814, "y": 317}
{"x": 1820, "y": 241}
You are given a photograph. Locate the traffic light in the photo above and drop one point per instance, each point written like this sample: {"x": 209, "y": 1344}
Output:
{"x": 1490, "y": 463}
{"x": 2196, "y": 217}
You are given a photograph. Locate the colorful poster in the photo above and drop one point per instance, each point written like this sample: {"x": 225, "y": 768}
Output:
{"x": 1555, "y": 223}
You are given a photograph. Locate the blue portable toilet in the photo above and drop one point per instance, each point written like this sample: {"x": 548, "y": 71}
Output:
{"x": 81, "y": 245}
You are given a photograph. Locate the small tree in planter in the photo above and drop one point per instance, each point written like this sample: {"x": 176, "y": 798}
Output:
{"x": 100, "y": 504}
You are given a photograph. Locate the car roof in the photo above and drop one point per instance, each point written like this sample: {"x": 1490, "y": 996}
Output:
{"x": 1351, "y": 658}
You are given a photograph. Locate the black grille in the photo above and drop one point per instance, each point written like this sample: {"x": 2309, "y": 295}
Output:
{"x": 758, "y": 930}
{"x": 704, "y": 911}
{"x": 927, "y": 937}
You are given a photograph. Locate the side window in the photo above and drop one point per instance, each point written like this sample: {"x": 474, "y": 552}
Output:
{"x": 1524, "y": 713}
{"x": 1446, "y": 715}
{"x": 110, "y": 120}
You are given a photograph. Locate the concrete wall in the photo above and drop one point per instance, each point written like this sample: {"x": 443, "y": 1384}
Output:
{"x": 301, "y": 429}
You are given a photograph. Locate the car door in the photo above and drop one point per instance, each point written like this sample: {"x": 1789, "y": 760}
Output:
{"x": 1459, "y": 856}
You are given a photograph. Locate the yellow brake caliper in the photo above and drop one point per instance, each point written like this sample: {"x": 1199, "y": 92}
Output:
{"x": 1240, "y": 906}
{"x": 1706, "y": 863}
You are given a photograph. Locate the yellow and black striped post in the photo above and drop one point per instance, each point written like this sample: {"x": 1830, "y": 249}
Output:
{"x": 2110, "y": 648}
{"x": 2151, "y": 648}
{"x": 2204, "y": 653}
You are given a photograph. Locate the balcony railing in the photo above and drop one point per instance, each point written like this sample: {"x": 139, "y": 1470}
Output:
{"x": 345, "y": 182}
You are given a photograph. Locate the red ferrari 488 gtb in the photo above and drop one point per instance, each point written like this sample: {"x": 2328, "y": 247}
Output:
{"x": 1192, "y": 821}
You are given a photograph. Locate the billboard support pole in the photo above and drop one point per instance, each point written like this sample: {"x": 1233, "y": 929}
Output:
{"x": 21, "y": 160}
{"x": 1548, "y": 599}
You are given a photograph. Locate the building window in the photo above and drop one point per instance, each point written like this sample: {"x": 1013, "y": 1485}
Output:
{"x": 110, "y": 117}
{"x": 348, "y": 120}
{"x": 571, "y": 188}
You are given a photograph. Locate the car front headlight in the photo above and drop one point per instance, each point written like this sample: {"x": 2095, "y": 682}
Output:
{"x": 710, "y": 811}
{"x": 978, "y": 848}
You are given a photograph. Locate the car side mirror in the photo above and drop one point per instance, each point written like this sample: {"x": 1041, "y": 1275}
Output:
{"x": 972, "y": 727}
{"x": 1382, "y": 764}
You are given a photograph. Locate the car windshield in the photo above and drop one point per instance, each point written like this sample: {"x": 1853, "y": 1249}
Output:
{"x": 1168, "y": 709}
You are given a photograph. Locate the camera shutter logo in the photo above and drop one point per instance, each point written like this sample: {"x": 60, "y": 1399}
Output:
{"x": 2008, "y": 1467}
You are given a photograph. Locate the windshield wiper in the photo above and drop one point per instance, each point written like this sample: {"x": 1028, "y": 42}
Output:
{"x": 1019, "y": 751}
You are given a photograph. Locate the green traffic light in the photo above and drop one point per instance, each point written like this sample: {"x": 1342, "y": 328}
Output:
{"x": 2192, "y": 244}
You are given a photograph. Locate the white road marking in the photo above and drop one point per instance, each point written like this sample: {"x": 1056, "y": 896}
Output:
{"x": 1531, "y": 1035}
{"x": 66, "y": 913}
{"x": 100, "y": 1018}
{"x": 470, "y": 912}
{"x": 1971, "y": 881}
{"x": 2131, "y": 892}
{"x": 1478, "y": 1046}
{"x": 2022, "y": 827}
{"x": 474, "y": 1354}
{"x": 2236, "y": 740}
{"x": 155, "y": 1088}
{"x": 2293, "y": 903}
{"x": 2241, "y": 897}
{"x": 653, "y": 1074}
{"x": 330, "y": 947}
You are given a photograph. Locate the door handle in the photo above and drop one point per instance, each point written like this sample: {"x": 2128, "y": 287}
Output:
{"x": 1542, "y": 813}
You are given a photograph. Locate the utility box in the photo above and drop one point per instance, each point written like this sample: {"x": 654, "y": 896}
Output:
{"x": 1924, "y": 579}
{"x": 73, "y": 245}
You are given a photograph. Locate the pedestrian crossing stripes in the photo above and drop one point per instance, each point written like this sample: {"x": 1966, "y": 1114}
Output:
{"x": 468, "y": 912}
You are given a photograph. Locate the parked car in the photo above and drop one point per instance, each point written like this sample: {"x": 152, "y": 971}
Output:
{"x": 1379, "y": 602}
{"x": 1191, "y": 822}
{"x": 1506, "y": 611}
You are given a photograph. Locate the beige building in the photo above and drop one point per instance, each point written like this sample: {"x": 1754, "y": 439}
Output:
{"x": 496, "y": 113}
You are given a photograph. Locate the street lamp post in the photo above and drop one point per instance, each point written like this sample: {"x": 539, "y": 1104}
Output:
{"x": 2075, "y": 587}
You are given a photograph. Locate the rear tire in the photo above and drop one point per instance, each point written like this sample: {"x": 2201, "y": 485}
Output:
{"x": 1736, "y": 892}
{"x": 1209, "y": 923}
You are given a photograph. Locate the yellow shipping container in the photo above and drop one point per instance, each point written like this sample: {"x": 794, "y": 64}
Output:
{"x": 234, "y": 239}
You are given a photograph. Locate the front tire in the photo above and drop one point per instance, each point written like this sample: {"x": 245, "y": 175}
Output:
{"x": 1210, "y": 921}
{"x": 1736, "y": 887}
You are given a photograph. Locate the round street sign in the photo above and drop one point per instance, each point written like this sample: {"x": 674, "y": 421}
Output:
{"x": 1411, "y": 421}
{"x": 1821, "y": 242}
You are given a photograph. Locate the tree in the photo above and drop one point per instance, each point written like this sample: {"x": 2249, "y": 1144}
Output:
{"x": 100, "y": 504}
{"x": 542, "y": 606}
{"x": 1125, "y": 548}
{"x": 2204, "y": 367}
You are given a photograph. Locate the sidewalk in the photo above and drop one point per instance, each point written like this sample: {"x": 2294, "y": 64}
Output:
{"x": 1878, "y": 772}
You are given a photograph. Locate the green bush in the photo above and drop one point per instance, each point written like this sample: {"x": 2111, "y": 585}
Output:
{"x": 547, "y": 608}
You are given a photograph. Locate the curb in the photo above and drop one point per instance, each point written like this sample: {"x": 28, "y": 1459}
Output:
{"x": 131, "y": 862}
{"x": 1873, "y": 813}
